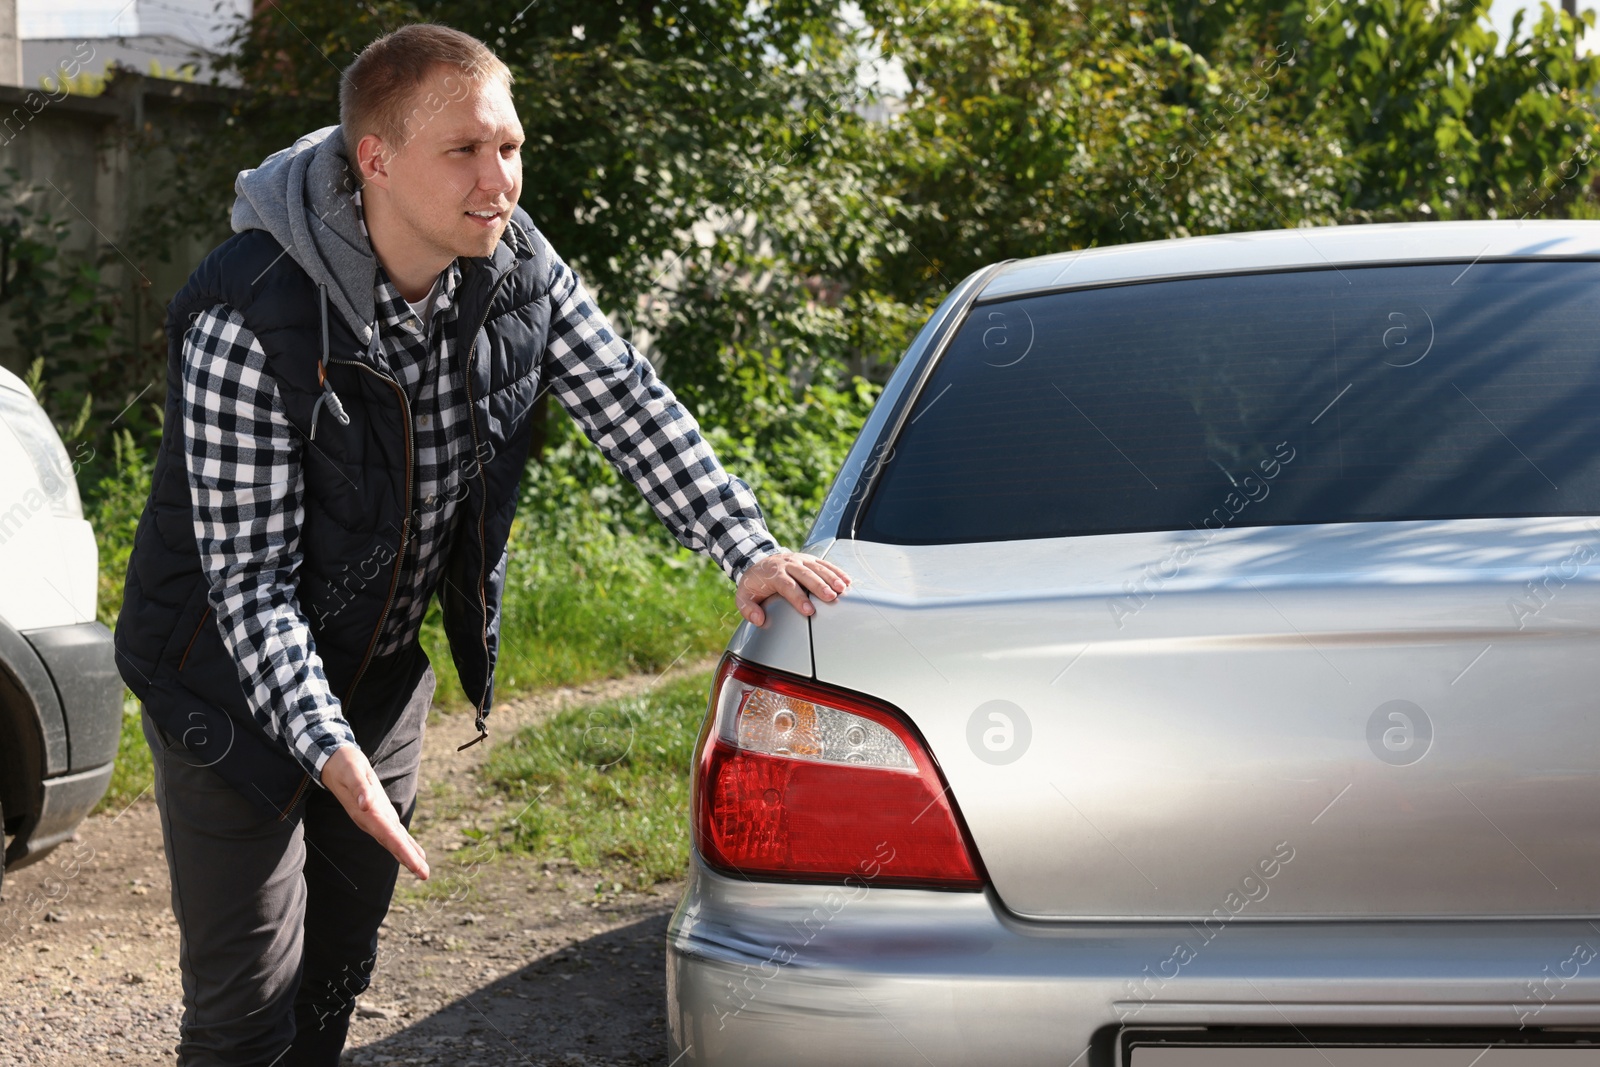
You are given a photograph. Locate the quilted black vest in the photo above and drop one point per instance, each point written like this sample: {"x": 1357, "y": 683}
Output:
{"x": 358, "y": 496}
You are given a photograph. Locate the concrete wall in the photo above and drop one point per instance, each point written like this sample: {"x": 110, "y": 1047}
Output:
{"x": 100, "y": 161}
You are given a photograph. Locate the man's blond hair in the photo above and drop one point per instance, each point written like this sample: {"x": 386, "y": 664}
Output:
{"x": 378, "y": 93}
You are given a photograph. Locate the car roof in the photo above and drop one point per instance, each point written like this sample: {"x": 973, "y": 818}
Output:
{"x": 1298, "y": 249}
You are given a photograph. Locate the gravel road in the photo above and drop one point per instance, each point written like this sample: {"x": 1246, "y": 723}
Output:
{"x": 499, "y": 959}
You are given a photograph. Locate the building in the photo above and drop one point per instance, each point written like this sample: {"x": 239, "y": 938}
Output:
{"x": 166, "y": 38}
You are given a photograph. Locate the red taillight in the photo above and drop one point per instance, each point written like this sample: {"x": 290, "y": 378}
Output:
{"x": 801, "y": 781}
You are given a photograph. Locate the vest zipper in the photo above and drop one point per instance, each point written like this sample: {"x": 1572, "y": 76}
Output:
{"x": 405, "y": 523}
{"x": 483, "y": 481}
{"x": 399, "y": 558}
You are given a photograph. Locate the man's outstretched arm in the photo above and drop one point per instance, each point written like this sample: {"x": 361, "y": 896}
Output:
{"x": 647, "y": 435}
{"x": 247, "y": 488}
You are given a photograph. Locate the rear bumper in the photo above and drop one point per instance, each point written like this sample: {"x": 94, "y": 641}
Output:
{"x": 761, "y": 973}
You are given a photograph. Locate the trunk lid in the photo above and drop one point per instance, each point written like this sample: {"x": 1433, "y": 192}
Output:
{"x": 1366, "y": 719}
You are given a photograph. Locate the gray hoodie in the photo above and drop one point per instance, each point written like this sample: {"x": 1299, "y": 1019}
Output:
{"x": 303, "y": 197}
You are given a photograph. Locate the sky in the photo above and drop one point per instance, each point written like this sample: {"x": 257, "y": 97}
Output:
{"x": 1500, "y": 13}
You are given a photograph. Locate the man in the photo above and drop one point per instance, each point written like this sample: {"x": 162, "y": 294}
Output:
{"x": 350, "y": 385}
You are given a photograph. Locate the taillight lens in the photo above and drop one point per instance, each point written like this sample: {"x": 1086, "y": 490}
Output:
{"x": 805, "y": 782}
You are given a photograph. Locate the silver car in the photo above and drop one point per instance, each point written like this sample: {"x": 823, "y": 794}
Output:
{"x": 1220, "y": 681}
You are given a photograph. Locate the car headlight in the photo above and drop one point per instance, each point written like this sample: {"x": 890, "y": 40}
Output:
{"x": 28, "y": 423}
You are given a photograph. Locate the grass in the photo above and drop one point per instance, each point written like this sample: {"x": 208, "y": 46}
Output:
{"x": 606, "y": 786}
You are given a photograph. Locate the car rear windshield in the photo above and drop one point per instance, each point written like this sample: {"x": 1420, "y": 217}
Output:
{"x": 1337, "y": 395}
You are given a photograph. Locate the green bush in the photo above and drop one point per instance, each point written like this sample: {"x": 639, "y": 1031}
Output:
{"x": 113, "y": 507}
{"x": 595, "y": 584}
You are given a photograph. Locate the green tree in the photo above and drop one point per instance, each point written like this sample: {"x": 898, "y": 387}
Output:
{"x": 1442, "y": 118}
{"x": 1033, "y": 128}
{"x": 1039, "y": 128}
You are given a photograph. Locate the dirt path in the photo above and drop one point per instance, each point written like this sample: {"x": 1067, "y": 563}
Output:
{"x": 497, "y": 960}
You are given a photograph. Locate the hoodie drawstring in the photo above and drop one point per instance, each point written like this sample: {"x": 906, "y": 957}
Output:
{"x": 328, "y": 396}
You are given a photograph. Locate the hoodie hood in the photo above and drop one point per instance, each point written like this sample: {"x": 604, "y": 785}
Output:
{"x": 303, "y": 197}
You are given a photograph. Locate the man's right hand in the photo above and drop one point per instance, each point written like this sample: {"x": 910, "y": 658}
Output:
{"x": 351, "y": 779}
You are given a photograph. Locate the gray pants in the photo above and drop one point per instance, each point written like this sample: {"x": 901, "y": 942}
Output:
{"x": 278, "y": 919}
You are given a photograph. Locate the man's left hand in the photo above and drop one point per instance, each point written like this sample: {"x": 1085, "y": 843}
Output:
{"x": 791, "y": 575}
{"x": 351, "y": 779}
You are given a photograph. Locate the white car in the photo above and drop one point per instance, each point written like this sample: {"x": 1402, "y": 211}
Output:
{"x": 60, "y": 693}
{"x": 1218, "y": 683}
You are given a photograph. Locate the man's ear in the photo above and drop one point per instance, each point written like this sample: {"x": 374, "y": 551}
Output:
{"x": 372, "y": 160}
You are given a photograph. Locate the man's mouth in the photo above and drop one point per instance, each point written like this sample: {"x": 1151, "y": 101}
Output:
{"x": 485, "y": 218}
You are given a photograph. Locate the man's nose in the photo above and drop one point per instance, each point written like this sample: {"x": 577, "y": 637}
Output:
{"x": 499, "y": 176}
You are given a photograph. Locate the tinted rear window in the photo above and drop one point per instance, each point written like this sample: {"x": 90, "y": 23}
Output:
{"x": 1349, "y": 395}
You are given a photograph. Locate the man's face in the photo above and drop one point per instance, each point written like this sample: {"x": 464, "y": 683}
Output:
{"x": 456, "y": 178}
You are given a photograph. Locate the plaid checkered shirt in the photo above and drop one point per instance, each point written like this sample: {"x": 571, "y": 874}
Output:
{"x": 244, "y": 463}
